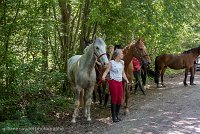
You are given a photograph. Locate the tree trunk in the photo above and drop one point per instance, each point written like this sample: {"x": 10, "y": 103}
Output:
{"x": 7, "y": 39}
{"x": 77, "y": 28}
{"x": 66, "y": 13}
{"x": 84, "y": 27}
{"x": 45, "y": 43}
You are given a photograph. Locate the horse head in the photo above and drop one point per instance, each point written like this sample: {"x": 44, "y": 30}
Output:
{"x": 100, "y": 51}
{"x": 142, "y": 51}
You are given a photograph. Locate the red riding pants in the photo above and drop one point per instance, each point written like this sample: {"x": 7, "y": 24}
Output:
{"x": 116, "y": 91}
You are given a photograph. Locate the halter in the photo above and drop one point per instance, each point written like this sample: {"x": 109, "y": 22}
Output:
{"x": 99, "y": 56}
{"x": 142, "y": 55}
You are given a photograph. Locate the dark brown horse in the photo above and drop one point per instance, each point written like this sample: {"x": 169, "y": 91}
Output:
{"x": 184, "y": 60}
{"x": 139, "y": 51}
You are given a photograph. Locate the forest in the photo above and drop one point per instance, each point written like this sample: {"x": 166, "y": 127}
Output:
{"x": 38, "y": 36}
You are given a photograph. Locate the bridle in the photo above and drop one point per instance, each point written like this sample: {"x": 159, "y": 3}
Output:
{"x": 145, "y": 55}
{"x": 98, "y": 56}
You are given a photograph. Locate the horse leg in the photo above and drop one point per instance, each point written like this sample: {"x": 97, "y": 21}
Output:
{"x": 136, "y": 87}
{"x": 76, "y": 104}
{"x": 136, "y": 75}
{"x": 106, "y": 99}
{"x": 88, "y": 101}
{"x": 127, "y": 95}
{"x": 157, "y": 77}
{"x": 162, "y": 75}
{"x": 105, "y": 93}
{"x": 141, "y": 87}
{"x": 186, "y": 74}
{"x": 81, "y": 98}
{"x": 94, "y": 96}
{"x": 192, "y": 72}
{"x": 144, "y": 77}
{"x": 100, "y": 94}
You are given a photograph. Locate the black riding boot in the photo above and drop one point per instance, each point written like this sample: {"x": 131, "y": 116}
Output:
{"x": 113, "y": 111}
{"x": 117, "y": 112}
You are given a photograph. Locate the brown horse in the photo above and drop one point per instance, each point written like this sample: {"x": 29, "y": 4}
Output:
{"x": 184, "y": 60}
{"x": 139, "y": 51}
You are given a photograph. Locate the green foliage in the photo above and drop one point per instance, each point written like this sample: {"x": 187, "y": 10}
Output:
{"x": 31, "y": 109}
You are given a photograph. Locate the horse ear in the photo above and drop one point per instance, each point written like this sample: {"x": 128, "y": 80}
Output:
{"x": 138, "y": 40}
{"x": 85, "y": 41}
{"x": 142, "y": 39}
{"x": 94, "y": 37}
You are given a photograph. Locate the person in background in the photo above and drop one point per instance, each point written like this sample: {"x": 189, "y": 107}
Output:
{"x": 105, "y": 93}
{"x": 118, "y": 46}
{"x": 136, "y": 73}
{"x": 110, "y": 52}
{"x": 116, "y": 69}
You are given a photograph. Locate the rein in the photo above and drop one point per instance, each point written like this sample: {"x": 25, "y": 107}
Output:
{"x": 99, "y": 56}
{"x": 99, "y": 69}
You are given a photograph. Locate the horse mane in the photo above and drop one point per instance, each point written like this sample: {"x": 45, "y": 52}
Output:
{"x": 131, "y": 44}
{"x": 87, "y": 48}
{"x": 191, "y": 50}
{"x": 126, "y": 49}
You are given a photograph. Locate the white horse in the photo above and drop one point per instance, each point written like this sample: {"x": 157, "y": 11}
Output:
{"x": 81, "y": 74}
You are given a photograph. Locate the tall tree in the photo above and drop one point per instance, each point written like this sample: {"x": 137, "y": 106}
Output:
{"x": 65, "y": 8}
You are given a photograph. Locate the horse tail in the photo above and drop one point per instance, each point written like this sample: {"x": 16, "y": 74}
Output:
{"x": 151, "y": 73}
{"x": 81, "y": 98}
{"x": 156, "y": 71}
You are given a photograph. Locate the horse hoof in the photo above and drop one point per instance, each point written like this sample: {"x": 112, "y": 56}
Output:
{"x": 192, "y": 84}
{"x": 158, "y": 86}
{"x": 127, "y": 112}
{"x": 73, "y": 121}
{"x": 88, "y": 119}
{"x": 163, "y": 85}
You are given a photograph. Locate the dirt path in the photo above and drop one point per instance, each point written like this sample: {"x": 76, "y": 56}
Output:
{"x": 171, "y": 110}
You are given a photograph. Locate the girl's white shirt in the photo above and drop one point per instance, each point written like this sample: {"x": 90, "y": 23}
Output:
{"x": 116, "y": 70}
